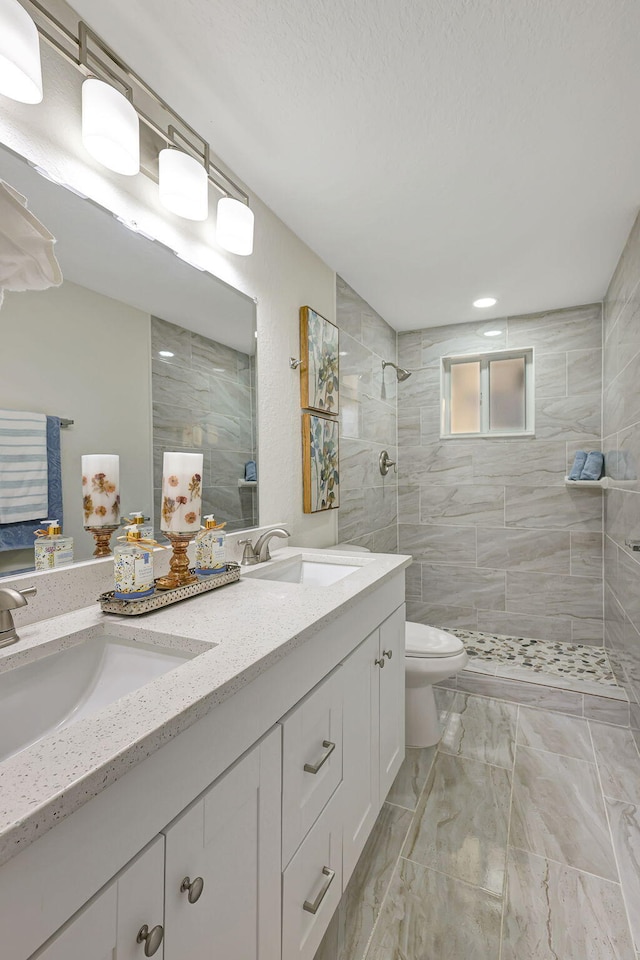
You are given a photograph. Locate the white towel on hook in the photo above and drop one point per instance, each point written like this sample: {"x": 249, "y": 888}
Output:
{"x": 27, "y": 260}
{"x": 24, "y": 470}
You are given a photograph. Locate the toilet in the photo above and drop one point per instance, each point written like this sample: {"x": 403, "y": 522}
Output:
{"x": 430, "y": 655}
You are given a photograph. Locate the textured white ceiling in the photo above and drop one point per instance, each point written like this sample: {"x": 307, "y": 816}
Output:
{"x": 431, "y": 151}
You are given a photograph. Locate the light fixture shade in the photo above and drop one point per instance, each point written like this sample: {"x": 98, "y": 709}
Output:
{"x": 20, "y": 70}
{"x": 110, "y": 128}
{"x": 183, "y": 185}
{"x": 234, "y": 227}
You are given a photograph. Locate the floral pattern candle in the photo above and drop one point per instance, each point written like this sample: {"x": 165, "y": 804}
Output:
{"x": 181, "y": 493}
{"x": 101, "y": 489}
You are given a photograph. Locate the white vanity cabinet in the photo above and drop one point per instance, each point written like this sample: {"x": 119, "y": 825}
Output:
{"x": 222, "y": 895}
{"x": 373, "y": 747}
{"x": 120, "y": 922}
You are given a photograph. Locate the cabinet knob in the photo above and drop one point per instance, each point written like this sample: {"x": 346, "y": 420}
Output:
{"x": 193, "y": 888}
{"x": 380, "y": 663}
{"x": 387, "y": 653}
{"x": 151, "y": 939}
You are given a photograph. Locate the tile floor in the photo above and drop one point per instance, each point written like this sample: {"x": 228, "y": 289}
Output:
{"x": 573, "y": 661}
{"x": 517, "y": 838}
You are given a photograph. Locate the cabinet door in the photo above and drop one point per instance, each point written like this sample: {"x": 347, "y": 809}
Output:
{"x": 392, "y": 690}
{"x": 107, "y": 928}
{"x": 360, "y": 792}
{"x": 227, "y": 845}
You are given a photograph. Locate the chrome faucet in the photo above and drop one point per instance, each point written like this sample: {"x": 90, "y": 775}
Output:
{"x": 259, "y": 552}
{"x": 10, "y": 599}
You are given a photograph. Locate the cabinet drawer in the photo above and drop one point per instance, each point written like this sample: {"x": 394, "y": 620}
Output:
{"x": 312, "y": 760}
{"x": 312, "y": 885}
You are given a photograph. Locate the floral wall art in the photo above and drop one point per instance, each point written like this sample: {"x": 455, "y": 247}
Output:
{"x": 319, "y": 372}
{"x": 320, "y": 475}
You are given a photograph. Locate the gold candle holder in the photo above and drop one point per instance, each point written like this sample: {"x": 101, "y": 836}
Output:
{"x": 179, "y": 574}
{"x": 102, "y": 536}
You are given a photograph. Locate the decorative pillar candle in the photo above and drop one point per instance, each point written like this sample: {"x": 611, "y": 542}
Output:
{"x": 101, "y": 489}
{"x": 181, "y": 493}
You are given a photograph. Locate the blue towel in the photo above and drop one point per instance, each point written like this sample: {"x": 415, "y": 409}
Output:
{"x": 578, "y": 465}
{"x": 592, "y": 469}
{"x": 250, "y": 470}
{"x": 18, "y": 536}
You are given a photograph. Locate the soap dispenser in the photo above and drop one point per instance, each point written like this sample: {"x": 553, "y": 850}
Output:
{"x": 133, "y": 566}
{"x": 51, "y": 548}
{"x": 137, "y": 518}
{"x": 210, "y": 548}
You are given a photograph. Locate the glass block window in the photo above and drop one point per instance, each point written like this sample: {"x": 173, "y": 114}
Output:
{"x": 489, "y": 394}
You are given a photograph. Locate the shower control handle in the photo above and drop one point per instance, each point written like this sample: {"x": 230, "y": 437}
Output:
{"x": 384, "y": 462}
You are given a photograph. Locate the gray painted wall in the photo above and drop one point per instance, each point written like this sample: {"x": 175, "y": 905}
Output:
{"x": 622, "y": 454}
{"x": 368, "y": 424}
{"x": 500, "y": 543}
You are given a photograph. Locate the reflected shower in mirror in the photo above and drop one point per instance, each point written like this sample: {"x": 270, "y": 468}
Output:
{"x": 143, "y": 352}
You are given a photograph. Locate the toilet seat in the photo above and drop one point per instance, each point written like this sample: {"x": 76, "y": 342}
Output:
{"x": 424, "y": 641}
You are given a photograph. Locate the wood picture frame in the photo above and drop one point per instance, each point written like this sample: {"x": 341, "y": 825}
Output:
{"x": 320, "y": 368}
{"x": 320, "y": 463}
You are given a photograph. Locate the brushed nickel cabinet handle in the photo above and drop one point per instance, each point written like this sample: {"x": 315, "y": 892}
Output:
{"x": 380, "y": 663}
{"x": 387, "y": 653}
{"x": 193, "y": 888}
{"x": 151, "y": 939}
{"x": 314, "y": 767}
{"x": 315, "y": 906}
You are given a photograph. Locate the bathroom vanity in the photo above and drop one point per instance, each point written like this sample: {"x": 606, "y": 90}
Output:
{"x": 218, "y": 809}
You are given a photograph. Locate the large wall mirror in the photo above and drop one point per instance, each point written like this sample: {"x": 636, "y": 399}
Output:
{"x": 137, "y": 352}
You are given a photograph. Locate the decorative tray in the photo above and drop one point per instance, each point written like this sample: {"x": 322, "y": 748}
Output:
{"x": 163, "y": 598}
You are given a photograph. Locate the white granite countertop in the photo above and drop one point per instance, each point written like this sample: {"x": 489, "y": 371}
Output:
{"x": 235, "y": 633}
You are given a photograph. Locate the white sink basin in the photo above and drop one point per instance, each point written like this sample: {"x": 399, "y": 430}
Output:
{"x": 313, "y": 573}
{"x": 55, "y": 691}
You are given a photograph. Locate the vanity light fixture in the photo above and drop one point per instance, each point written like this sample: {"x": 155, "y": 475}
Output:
{"x": 483, "y": 302}
{"x": 183, "y": 185}
{"x": 234, "y": 226}
{"x": 110, "y": 127}
{"x": 20, "y": 69}
{"x": 111, "y": 119}
{"x": 492, "y": 333}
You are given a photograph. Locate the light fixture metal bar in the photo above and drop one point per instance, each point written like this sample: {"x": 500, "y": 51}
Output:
{"x": 87, "y": 61}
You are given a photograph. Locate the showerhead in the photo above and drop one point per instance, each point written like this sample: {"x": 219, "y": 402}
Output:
{"x": 400, "y": 373}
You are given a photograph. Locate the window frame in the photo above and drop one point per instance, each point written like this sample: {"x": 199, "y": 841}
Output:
{"x": 484, "y": 358}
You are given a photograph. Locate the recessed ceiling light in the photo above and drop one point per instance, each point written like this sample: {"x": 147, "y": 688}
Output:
{"x": 492, "y": 333}
{"x": 485, "y": 302}
{"x": 165, "y": 353}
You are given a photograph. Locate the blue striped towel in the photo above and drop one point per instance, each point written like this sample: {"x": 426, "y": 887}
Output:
{"x": 23, "y": 466}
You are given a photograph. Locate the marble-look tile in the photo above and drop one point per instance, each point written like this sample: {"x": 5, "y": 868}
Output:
{"x": 588, "y": 632}
{"x": 169, "y": 336}
{"x": 217, "y": 358}
{"x": 625, "y": 830}
{"x": 551, "y": 594}
{"x": 181, "y": 386}
{"x": 586, "y": 554}
{"x": 359, "y": 463}
{"x": 556, "y": 331}
{"x": 426, "y": 915}
{"x": 459, "y": 338}
{"x": 409, "y": 427}
{"x": 350, "y": 419}
{"x": 410, "y": 349}
{"x": 555, "y": 733}
{"x": 415, "y": 769}
{"x": 481, "y": 730}
{"x": 477, "y": 504}
{"x": 625, "y": 278}
{"x": 519, "y": 625}
{"x": 468, "y": 586}
{"x": 628, "y": 330}
{"x": 378, "y": 422}
{"x": 369, "y": 882}
{"x": 413, "y": 581}
{"x": 430, "y": 418}
{"x": 514, "y": 549}
{"x": 439, "y": 544}
{"x": 348, "y": 310}
{"x": 554, "y": 912}
{"x": 558, "y": 812}
{"x": 437, "y": 615}
{"x": 551, "y": 375}
{"x": 618, "y": 761}
{"x": 540, "y": 462}
{"x": 224, "y": 433}
{"x": 559, "y": 508}
{"x": 584, "y": 372}
{"x": 379, "y": 337}
{"x": 355, "y": 369}
{"x": 460, "y": 826}
{"x": 606, "y": 710}
{"x": 385, "y": 539}
{"x": 408, "y": 503}
{"x": 531, "y": 694}
{"x": 447, "y": 462}
{"x": 421, "y": 389}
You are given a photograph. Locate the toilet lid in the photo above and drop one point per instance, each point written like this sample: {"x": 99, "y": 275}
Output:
{"x": 424, "y": 641}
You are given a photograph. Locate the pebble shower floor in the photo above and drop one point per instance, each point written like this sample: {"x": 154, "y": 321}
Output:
{"x": 574, "y": 661}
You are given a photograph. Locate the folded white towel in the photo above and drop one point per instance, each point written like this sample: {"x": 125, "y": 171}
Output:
{"x": 27, "y": 260}
{"x": 23, "y": 466}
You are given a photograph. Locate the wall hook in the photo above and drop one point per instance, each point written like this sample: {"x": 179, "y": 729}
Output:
{"x": 293, "y": 363}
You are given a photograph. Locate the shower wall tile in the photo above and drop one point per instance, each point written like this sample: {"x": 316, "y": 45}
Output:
{"x": 438, "y": 615}
{"x": 510, "y": 492}
{"x": 368, "y": 424}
